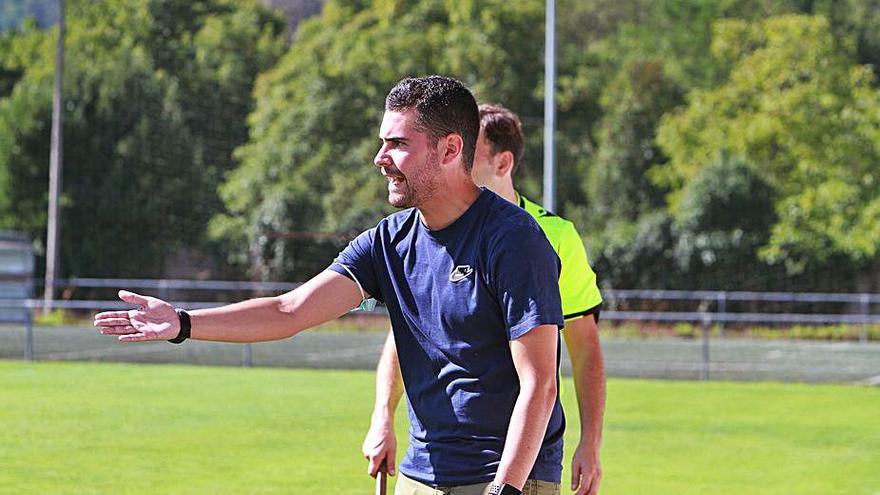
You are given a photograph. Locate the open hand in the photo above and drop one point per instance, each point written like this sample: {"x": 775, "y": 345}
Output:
{"x": 155, "y": 319}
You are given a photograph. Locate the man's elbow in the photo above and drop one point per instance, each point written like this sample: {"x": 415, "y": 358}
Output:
{"x": 551, "y": 391}
{"x": 286, "y": 306}
{"x": 542, "y": 391}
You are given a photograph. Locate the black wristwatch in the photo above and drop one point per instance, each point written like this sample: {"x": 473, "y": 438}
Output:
{"x": 505, "y": 489}
{"x": 185, "y": 327}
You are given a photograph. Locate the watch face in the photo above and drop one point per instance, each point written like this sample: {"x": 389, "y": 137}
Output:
{"x": 504, "y": 489}
{"x": 509, "y": 490}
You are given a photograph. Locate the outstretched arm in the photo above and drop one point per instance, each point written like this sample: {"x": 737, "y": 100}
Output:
{"x": 588, "y": 372}
{"x": 325, "y": 297}
{"x": 380, "y": 445}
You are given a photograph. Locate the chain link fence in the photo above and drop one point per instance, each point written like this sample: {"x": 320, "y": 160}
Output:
{"x": 715, "y": 351}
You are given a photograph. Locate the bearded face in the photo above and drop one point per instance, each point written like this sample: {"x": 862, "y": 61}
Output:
{"x": 407, "y": 160}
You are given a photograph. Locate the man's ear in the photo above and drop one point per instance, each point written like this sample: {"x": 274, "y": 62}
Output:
{"x": 503, "y": 163}
{"x": 450, "y": 148}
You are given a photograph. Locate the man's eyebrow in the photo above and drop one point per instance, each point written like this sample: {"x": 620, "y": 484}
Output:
{"x": 395, "y": 139}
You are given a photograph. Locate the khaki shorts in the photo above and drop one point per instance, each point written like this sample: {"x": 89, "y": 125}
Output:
{"x": 407, "y": 486}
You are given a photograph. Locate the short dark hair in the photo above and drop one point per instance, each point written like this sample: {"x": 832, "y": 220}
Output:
{"x": 443, "y": 106}
{"x": 503, "y": 130}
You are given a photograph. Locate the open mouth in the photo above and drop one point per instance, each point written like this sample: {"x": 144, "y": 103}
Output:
{"x": 395, "y": 180}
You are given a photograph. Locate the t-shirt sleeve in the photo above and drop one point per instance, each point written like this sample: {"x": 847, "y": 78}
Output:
{"x": 356, "y": 263}
{"x": 577, "y": 280}
{"x": 526, "y": 277}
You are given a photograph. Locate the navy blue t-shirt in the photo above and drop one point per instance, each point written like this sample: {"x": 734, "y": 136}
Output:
{"x": 456, "y": 297}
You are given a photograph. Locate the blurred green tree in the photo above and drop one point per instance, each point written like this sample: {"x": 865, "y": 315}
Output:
{"x": 805, "y": 116}
{"x": 633, "y": 103}
{"x": 14, "y": 13}
{"x": 725, "y": 217}
{"x": 307, "y": 168}
{"x": 158, "y": 93}
{"x": 155, "y": 100}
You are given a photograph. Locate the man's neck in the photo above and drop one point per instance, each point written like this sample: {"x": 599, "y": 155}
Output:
{"x": 508, "y": 193}
{"x": 504, "y": 188}
{"x": 448, "y": 205}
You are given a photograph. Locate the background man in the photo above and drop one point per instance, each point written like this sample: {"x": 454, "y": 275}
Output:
{"x": 478, "y": 339}
{"x": 499, "y": 150}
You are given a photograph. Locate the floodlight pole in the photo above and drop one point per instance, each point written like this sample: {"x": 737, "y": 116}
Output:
{"x": 55, "y": 158}
{"x": 550, "y": 106}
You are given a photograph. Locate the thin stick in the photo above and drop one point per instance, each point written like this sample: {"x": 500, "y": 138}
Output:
{"x": 381, "y": 480}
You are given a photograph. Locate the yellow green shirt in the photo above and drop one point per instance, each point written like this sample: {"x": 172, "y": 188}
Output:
{"x": 577, "y": 280}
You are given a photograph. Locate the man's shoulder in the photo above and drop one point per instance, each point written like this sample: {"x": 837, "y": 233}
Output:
{"x": 387, "y": 231}
{"x": 555, "y": 226}
{"x": 508, "y": 218}
{"x": 510, "y": 230}
{"x": 397, "y": 221}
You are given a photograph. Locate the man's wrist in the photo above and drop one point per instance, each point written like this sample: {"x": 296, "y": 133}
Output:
{"x": 591, "y": 442}
{"x": 503, "y": 489}
{"x": 185, "y": 327}
{"x": 383, "y": 413}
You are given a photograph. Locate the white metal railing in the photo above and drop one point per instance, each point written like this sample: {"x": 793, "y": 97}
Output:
{"x": 717, "y": 295}
{"x": 704, "y": 316}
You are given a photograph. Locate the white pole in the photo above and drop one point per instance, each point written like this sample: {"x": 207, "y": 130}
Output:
{"x": 55, "y": 158}
{"x": 550, "y": 106}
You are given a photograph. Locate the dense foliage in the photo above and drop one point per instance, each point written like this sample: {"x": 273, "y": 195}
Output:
{"x": 701, "y": 144}
{"x": 155, "y": 101}
{"x": 14, "y": 13}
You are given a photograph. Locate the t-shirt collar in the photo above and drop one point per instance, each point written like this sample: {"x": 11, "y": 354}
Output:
{"x": 464, "y": 219}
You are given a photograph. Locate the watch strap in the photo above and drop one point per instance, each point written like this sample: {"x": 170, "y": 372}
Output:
{"x": 185, "y": 327}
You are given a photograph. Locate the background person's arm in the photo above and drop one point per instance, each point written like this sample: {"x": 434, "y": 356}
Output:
{"x": 380, "y": 444}
{"x": 588, "y": 372}
{"x": 325, "y": 297}
{"x": 577, "y": 286}
{"x": 534, "y": 356}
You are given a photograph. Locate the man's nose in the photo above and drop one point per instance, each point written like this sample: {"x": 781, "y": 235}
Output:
{"x": 382, "y": 159}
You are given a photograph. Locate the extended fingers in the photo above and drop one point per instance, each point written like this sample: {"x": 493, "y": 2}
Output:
{"x": 119, "y": 330}
{"x": 112, "y": 322}
{"x": 111, "y": 314}
{"x": 136, "y": 337}
{"x": 132, "y": 298}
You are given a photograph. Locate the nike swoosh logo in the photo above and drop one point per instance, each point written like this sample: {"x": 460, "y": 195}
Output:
{"x": 460, "y": 273}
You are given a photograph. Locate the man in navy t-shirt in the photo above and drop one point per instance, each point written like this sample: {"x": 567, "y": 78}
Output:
{"x": 471, "y": 286}
{"x": 457, "y": 296}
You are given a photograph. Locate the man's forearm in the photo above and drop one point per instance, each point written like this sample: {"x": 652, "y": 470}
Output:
{"x": 380, "y": 444}
{"x": 534, "y": 357}
{"x": 255, "y": 320}
{"x": 389, "y": 386}
{"x": 588, "y": 374}
{"x": 525, "y": 435}
{"x": 323, "y": 298}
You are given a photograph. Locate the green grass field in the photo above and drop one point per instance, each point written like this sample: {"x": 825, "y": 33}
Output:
{"x": 78, "y": 428}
